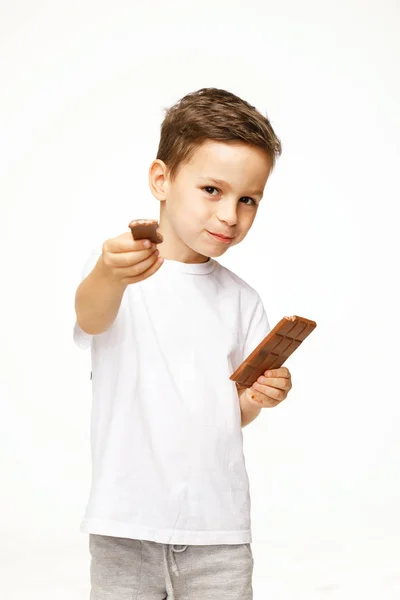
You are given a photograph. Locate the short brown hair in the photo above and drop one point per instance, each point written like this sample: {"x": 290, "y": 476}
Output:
{"x": 212, "y": 114}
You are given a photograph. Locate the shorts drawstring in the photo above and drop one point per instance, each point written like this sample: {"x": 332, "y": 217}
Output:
{"x": 171, "y": 549}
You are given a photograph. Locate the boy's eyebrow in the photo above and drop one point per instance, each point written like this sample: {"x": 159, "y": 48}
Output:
{"x": 222, "y": 182}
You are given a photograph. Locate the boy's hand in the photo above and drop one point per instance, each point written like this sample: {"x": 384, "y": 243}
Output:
{"x": 125, "y": 260}
{"x": 270, "y": 389}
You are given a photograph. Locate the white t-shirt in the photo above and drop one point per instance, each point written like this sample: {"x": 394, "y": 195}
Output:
{"x": 166, "y": 437}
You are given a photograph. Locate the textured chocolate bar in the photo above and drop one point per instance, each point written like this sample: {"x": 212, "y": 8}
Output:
{"x": 273, "y": 351}
{"x": 145, "y": 229}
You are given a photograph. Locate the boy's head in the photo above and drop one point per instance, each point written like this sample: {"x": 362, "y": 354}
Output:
{"x": 210, "y": 135}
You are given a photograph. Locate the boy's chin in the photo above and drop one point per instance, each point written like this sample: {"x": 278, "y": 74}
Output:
{"x": 208, "y": 251}
{"x": 216, "y": 253}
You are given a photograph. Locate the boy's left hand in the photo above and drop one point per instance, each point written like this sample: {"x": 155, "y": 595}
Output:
{"x": 271, "y": 388}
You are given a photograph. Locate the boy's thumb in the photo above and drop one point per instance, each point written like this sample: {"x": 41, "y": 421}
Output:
{"x": 250, "y": 396}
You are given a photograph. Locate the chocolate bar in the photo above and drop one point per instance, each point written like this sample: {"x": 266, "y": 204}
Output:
{"x": 145, "y": 229}
{"x": 274, "y": 349}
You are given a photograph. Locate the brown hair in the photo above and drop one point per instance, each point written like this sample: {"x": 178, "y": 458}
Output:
{"x": 212, "y": 114}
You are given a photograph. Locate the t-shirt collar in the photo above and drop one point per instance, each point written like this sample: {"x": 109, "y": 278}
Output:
{"x": 193, "y": 268}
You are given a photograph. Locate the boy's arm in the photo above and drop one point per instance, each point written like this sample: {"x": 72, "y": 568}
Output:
{"x": 248, "y": 411}
{"x": 97, "y": 300}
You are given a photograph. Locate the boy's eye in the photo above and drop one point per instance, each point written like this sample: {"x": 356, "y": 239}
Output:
{"x": 210, "y": 187}
{"x": 251, "y": 199}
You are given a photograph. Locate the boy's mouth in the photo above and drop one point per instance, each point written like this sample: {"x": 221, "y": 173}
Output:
{"x": 220, "y": 238}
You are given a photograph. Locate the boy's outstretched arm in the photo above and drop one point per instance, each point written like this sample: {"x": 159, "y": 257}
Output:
{"x": 123, "y": 261}
{"x": 97, "y": 300}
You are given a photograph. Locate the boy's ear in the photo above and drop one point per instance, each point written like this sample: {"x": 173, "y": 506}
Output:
{"x": 158, "y": 179}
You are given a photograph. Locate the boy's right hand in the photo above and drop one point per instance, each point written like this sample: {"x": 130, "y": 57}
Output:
{"x": 125, "y": 260}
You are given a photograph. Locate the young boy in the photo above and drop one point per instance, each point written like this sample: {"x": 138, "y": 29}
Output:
{"x": 169, "y": 508}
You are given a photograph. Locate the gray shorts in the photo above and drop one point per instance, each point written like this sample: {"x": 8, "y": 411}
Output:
{"x": 126, "y": 569}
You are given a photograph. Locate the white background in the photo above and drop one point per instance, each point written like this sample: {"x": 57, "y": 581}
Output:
{"x": 84, "y": 85}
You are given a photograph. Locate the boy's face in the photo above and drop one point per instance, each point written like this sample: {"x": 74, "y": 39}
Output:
{"x": 194, "y": 206}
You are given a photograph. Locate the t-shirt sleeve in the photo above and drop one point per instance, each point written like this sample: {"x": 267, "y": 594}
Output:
{"x": 82, "y": 339}
{"x": 257, "y": 329}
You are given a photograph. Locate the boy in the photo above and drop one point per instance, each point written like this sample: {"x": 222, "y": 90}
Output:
{"x": 169, "y": 508}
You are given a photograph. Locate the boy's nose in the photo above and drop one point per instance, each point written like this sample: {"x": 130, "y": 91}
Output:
{"x": 228, "y": 216}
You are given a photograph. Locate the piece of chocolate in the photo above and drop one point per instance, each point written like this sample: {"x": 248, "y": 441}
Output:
{"x": 145, "y": 229}
{"x": 274, "y": 349}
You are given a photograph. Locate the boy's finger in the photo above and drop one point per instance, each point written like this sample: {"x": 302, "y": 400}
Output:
{"x": 276, "y": 394}
{"x": 279, "y": 383}
{"x": 253, "y": 397}
{"x": 260, "y": 399}
{"x": 282, "y": 372}
{"x": 126, "y": 243}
